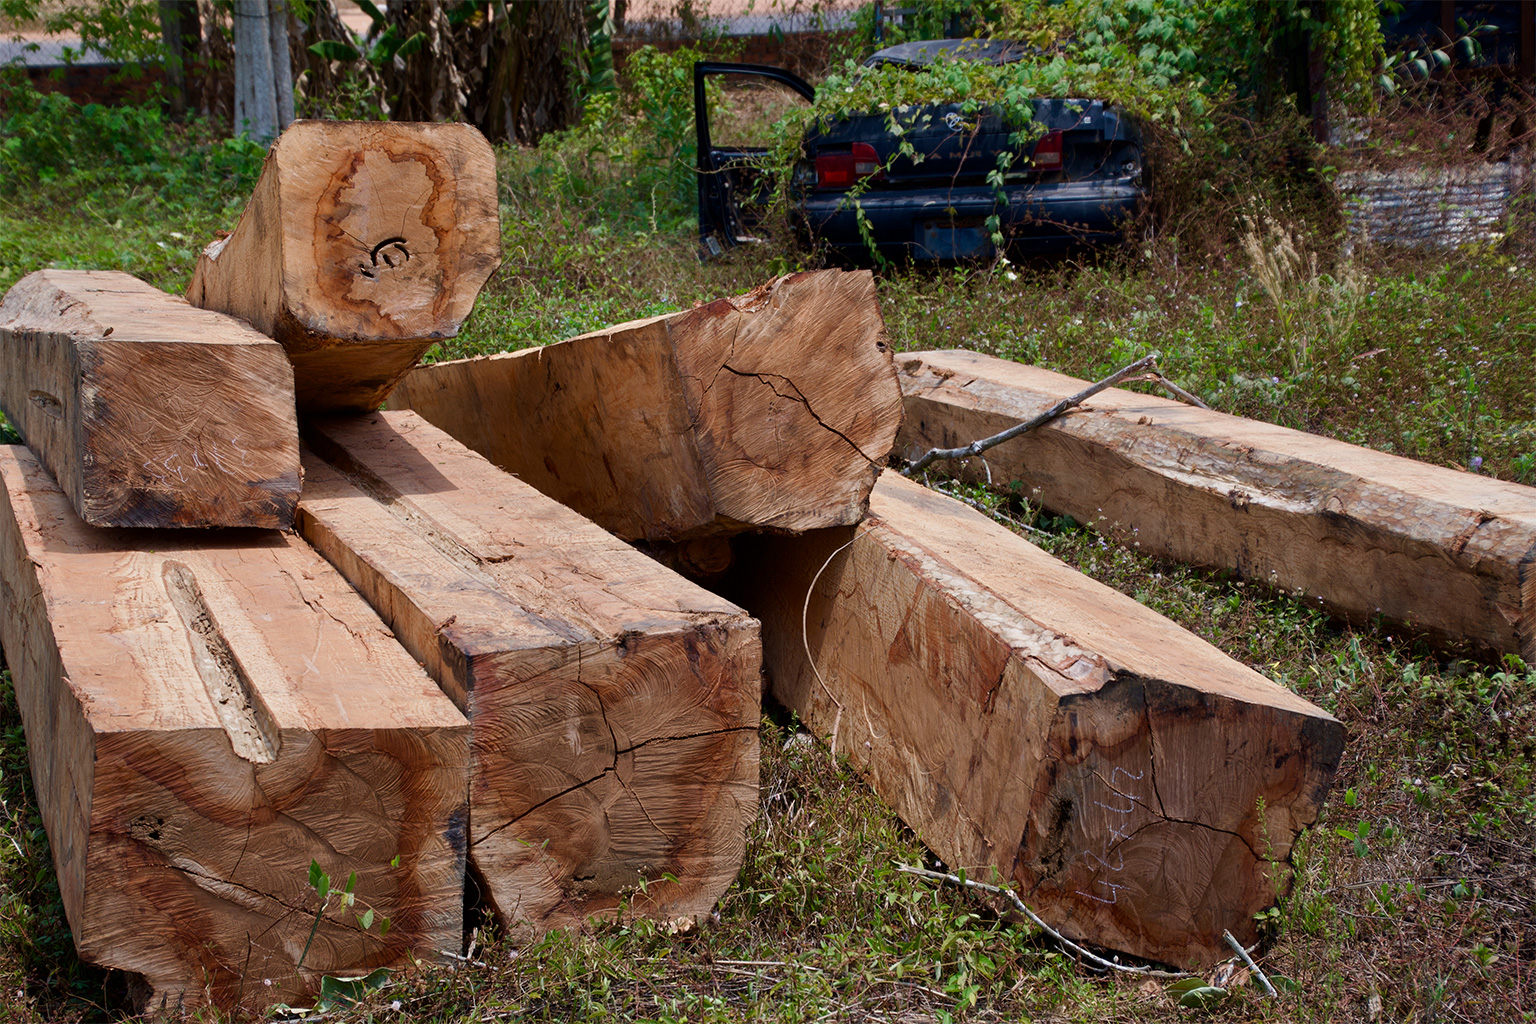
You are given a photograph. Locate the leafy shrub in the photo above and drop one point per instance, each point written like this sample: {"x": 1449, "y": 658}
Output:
{"x": 48, "y": 137}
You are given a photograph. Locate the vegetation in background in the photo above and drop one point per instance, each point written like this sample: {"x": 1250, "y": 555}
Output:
{"x": 1414, "y": 895}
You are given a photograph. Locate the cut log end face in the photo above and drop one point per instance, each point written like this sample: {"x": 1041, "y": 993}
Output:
{"x": 379, "y": 240}
{"x": 402, "y": 230}
{"x": 1163, "y": 816}
{"x": 199, "y": 458}
{"x": 209, "y": 855}
{"x": 793, "y": 397}
{"x": 620, "y": 777}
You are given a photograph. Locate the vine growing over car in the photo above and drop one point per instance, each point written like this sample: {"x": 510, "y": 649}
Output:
{"x": 1196, "y": 73}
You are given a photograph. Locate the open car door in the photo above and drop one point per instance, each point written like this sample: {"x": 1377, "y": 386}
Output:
{"x": 732, "y": 182}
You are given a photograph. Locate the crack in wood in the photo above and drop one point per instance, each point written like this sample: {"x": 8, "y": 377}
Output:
{"x": 245, "y": 719}
{"x": 606, "y": 771}
{"x": 799, "y": 396}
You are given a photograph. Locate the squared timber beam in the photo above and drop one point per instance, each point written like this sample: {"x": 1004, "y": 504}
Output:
{"x": 1363, "y": 533}
{"x": 207, "y": 715}
{"x": 614, "y": 705}
{"x": 363, "y": 244}
{"x": 771, "y": 410}
{"x": 148, "y": 411}
{"x": 1140, "y": 789}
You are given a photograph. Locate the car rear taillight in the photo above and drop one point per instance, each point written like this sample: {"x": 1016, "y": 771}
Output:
{"x": 842, "y": 169}
{"x": 1047, "y": 154}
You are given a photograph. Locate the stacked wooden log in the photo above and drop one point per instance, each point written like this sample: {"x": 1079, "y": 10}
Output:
{"x": 529, "y": 696}
{"x": 208, "y": 712}
{"x": 989, "y": 692}
{"x": 773, "y": 410}
{"x": 1140, "y": 789}
{"x": 614, "y": 705}
{"x": 217, "y": 718}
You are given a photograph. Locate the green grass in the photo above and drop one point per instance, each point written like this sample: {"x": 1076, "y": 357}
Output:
{"x": 1417, "y": 887}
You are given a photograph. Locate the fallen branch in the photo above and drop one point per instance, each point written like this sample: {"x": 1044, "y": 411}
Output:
{"x": 1242, "y": 954}
{"x": 977, "y": 447}
{"x": 1023, "y": 908}
{"x": 1177, "y": 392}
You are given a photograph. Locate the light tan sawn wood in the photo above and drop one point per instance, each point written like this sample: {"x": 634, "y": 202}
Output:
{"x": 773, "y": 409}
{"x": 363, "y": 243}
{"x": 207, "y": 714}
{"x": 148, "y": 411}
{"x": 1363, "y": 533}
{"x": 1141, "y": 789}
{"x": 614, "y": 705}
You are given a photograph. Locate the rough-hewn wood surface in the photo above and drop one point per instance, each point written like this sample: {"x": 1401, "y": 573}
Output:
{"x": 1363, "y": 532}
{"x": 772, "y": 409}
{"x": 362, "y": 245}
{"x": 148, "y": 411}
{"x": 205, "y": 714}
{"x": 1142, "y": 789}
{"x": 614, "y": 705}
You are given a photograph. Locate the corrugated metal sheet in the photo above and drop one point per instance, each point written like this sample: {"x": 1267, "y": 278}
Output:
{"x": 1424, "y": 208}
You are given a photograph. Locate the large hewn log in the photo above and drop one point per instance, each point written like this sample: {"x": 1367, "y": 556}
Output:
{"x": 614, "y": 705}
{"x": 363, "y": 244}
{"x": 773, "y": 409}
{"x": 1140, "y": 788}
{"x": 1365, "y": 533}
{"x": 147, "y": 411}
{"x": 206, "y": 715}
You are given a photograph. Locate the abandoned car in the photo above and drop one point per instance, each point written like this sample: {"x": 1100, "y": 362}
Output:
{"x": 1078, "y": 183}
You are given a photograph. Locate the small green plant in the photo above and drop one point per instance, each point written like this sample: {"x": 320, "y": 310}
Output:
{"x": 345, "y": 896}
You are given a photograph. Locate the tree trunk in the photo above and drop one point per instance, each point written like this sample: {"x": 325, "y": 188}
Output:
{"x": 773, "y": 409}
{"x": 1362, "y": 533}
{"x": 1141, "y": 790}
{"x": 147, "y": 411}
{"x": 181, "y": 32}
{"x": 614, "y": 705}
{"x": 282, "y": 65}
{"x": 362, "y": 246}
{"x": 206, "y": 716}
{"x": 514, "y": 71}
{"x": 255, "y": 91}
{"x": 263, "y": 69}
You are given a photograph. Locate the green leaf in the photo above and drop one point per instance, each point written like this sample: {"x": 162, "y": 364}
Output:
{"x": 1179, "y": 988}
{"x": 371, "y": 9}
{"x": 1203, "y": 997}
{"x": 412, "y": 45}
{"x": 347, "y": 991}
{"x": 351, "y": 882}
{"x": 367, "y": 919}
{"x": 319, "y": 880}
{"x": 332, "y": 49}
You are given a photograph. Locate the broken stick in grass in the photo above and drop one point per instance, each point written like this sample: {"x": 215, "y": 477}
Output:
{"x": 977, "y": 447}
